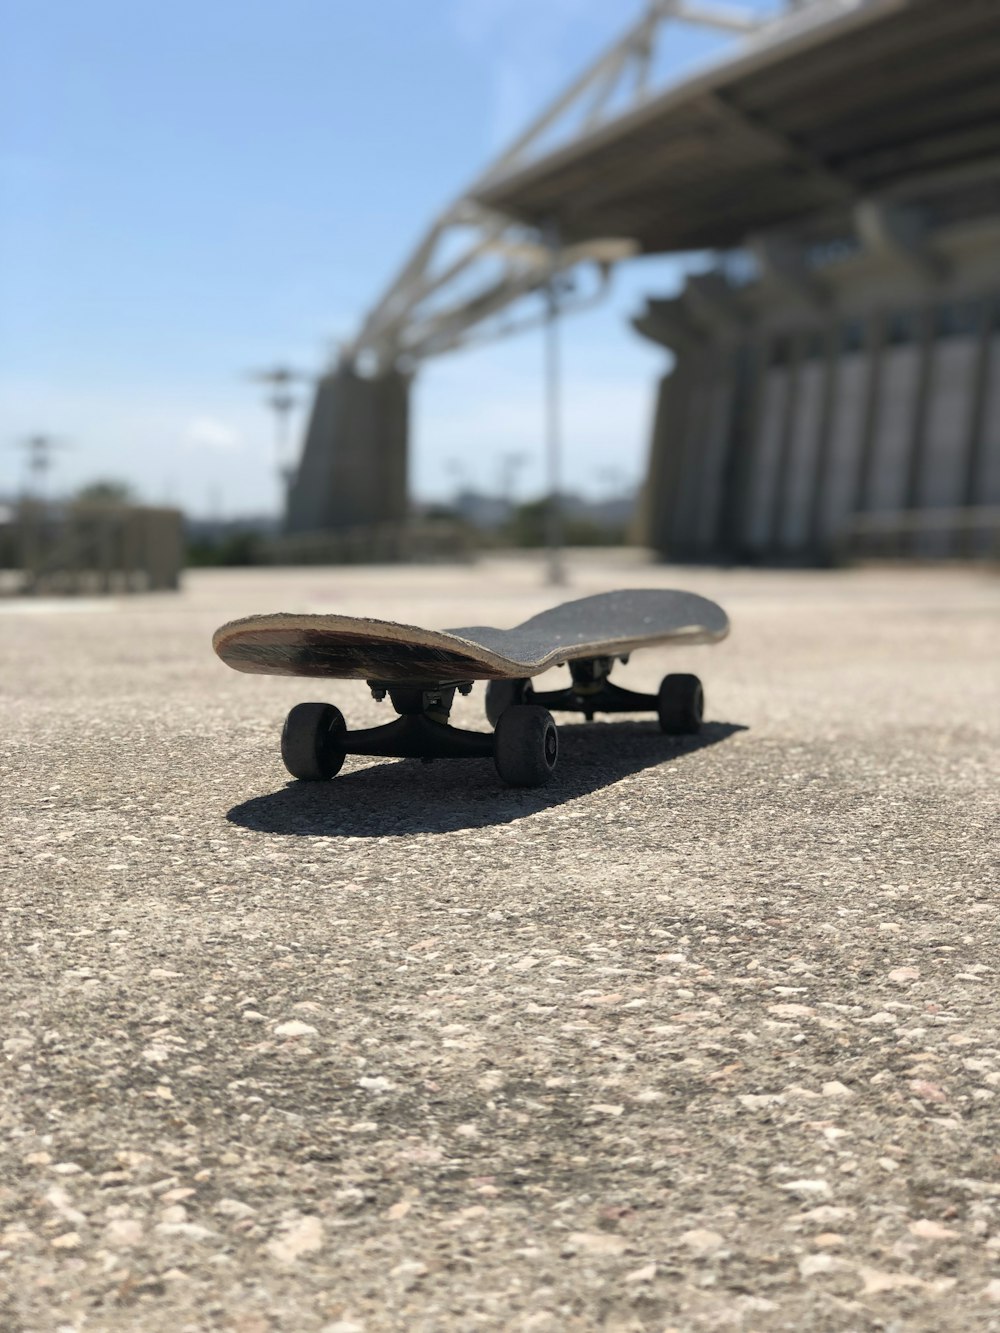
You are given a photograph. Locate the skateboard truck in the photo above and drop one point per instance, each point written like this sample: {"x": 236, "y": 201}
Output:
{"x": 524, "y": 747}
{"x": 679, "y": 703}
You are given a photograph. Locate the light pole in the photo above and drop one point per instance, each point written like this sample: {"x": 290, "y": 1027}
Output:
{"x": 282, "y": 402}
{"x": 556, "y": 569}
{"x": 40, "y": 449}
{"x": 510, "y": 465}
{"x": 457, "y": 469}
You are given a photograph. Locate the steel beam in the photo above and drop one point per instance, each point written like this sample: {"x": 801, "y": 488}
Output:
{"x": 439, "y": 300}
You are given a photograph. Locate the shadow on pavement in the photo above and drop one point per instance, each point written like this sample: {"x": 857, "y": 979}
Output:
{"x": 396, "y": 798}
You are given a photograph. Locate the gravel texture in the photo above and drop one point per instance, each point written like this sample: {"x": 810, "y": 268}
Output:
{"x": 703, "y": 1036}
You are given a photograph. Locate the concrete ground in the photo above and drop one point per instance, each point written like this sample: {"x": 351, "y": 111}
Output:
{"x": 703, "y": 1036}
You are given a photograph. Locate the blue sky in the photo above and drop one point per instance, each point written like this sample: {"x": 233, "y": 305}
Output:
{"x": 190, "y": 190}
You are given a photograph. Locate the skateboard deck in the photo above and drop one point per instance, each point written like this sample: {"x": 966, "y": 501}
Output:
{"x": 608, "y": 624}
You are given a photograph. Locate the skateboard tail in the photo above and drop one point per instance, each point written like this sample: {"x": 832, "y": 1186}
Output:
{"x": 348, "y": 657}
{"x": 352, "y": 650}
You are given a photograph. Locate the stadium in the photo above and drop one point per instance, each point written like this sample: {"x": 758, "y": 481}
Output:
{"x": 833, "y": 374}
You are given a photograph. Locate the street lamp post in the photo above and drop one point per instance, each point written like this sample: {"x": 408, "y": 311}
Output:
{"x": 40, "y": 449}
{"x": 282, "y": 402}
{"x": 556, "y": 569}
{"x": 510, "y": 464}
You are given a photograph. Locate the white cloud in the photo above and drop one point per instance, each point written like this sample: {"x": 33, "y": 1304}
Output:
{"x": 150, "y": 434}
{"x": 211, "y": 433}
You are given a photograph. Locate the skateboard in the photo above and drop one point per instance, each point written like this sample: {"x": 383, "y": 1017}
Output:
{"x": 420, "y": 671}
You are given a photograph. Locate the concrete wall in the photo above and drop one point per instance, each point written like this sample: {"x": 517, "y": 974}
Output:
{"x": 353, "y": 470}
{"x": 90, "y": 547}
{"x": 779, "y": 425}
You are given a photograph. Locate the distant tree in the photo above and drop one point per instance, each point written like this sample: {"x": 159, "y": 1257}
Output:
{"x": 106, "y": 491}
{"x": 234, "y": 548}
{"x": 528, "y": 526}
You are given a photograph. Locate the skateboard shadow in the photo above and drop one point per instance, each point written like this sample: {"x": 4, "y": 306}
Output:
{"x": 395, "y": 798}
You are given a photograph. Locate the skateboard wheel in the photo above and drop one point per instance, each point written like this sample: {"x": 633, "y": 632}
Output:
{"x": 311, "y": 742}
{"x": 500, "y": 694}
{"x": 526, "y": 746}
{"x": 680, "y": 704}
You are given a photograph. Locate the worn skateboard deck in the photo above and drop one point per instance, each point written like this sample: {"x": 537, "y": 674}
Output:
{"x": 355, "y": 648}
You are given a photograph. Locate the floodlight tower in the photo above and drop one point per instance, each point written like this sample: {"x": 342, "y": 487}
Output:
{"x": 511, "y": 464}
{"x": 40, "y": 449}
{"x": 556, "y": 568}
{"x": 282, "y": 402}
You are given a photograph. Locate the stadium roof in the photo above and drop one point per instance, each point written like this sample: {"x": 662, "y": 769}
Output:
{"x": 841, "y": 101}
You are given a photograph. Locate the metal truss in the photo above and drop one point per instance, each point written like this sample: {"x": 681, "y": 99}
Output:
{"x": 474, "y": 265}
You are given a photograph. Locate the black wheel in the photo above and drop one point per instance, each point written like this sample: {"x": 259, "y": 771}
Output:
{"x": 500, "y": 694}
{"x": 680, "y": 705}
{"x": 525, "y": 746}
{"x": 311, "y": 741}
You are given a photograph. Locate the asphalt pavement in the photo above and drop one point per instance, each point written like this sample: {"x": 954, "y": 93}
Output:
{"x": 701, "y": 1036}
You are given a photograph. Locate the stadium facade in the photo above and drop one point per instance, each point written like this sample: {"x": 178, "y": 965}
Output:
{"x": 841, "y": 361}
{"x": 836, "y": 366}
{"x": 835, "y": 391}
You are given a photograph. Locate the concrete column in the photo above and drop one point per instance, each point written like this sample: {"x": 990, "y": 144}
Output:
{"x": 652, "y": 523}
{"x": 741, "y": 455}
{"x": 789, "y": 425}
{"x": 692, "y": 448}
{"x": 874, "y": 345}
{"x": 819, "y": 544}
{"x": 667, "y": 457}
{"x": 918, "y": 439}
{"x": 975, "y": 441}
{"x": 669, "y": 324}
{"x": 353, "y": 469}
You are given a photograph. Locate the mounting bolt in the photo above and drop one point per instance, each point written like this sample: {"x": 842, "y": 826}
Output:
{"x": 466, "y": 688}
{"x": 378, "y": 693}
